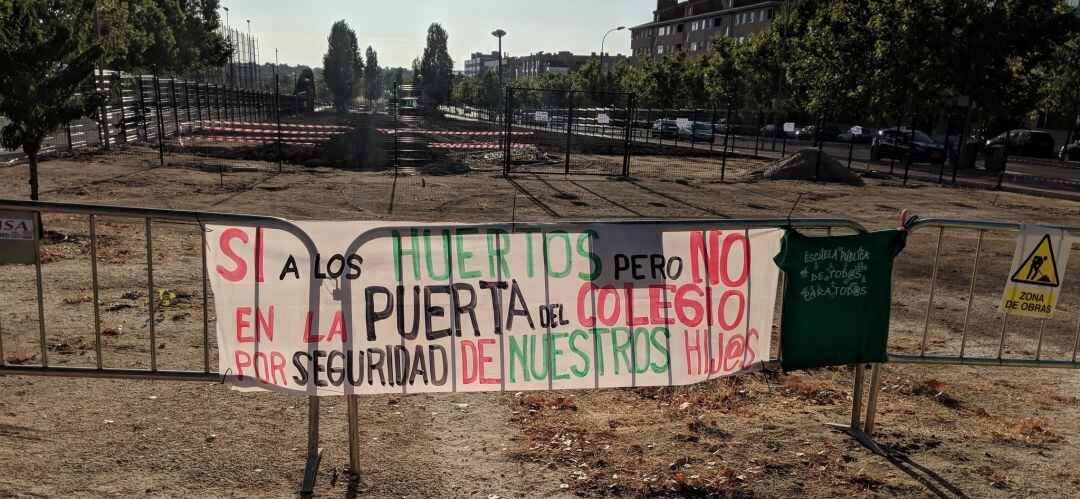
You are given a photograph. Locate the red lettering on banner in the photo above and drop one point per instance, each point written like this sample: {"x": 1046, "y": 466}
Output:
{"x": 484, "y": 361}
{"x": 224, "y": 243}
{"x": 601, "y": 302}
{"x": 337, "y": 328}
{"x": 308, "y": 338}
{"x": 583, "y": 296}
{"x": 657, "y": 303}
{"x": 682, "y": 303}
{"x": 721, "y": 311}
{"x": 264, "y": 324}
{"x": 267, "y": 368}
{"x": 697, "y": 348}
{"x": 725, "y": 257}
{"x": 628, "y": 288}
{"x": 711, "y": 257}
{"x": 241, "y": 363}
{"x": 241, "y": 324}
{"x": 259, "y": 254}
{"x": 470, "y": 369}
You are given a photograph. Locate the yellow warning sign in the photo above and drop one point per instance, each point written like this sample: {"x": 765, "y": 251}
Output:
{"x": 1039, "y": 267}
{"x": 1037, "y": 271}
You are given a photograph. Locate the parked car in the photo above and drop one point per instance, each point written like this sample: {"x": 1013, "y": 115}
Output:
{"x": 773, "y": 130}
{"x": 699, "y": 131}
{"x": 1031, "y": 143}
{"x": 858, "y": 134}
{"x": 804, "y": 133}
{"x": 665, "y": 129}
{"x": 828, "y": 133}
{"x": 897, "y": 143}
{"x": 1070, "y": 152}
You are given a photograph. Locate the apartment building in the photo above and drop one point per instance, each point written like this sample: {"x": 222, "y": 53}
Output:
{"x": 690, "y": 24}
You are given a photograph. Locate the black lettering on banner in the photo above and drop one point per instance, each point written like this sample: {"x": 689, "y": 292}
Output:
{"x": 299, "y": 364}
{"x": 372, "y": 315}
{"x": 437, "y": 381}
{"x": 355, "y": 368}
{"x": 318, "y": 367}
{"x": 331, "y": 371}
{"x": 434, "y": 311}
{"x": 515, "y": 298}
{"x": 401, "y": 364}
{"x": 411, "y": 335}
{"x": 289, "y": 268}
{"x": 354, "y": 262}
{"x": 418, "y": 366}
{"x": 375, "y": 362}
{"x": 494, "y": 287}
{"x": 469, "y": 308}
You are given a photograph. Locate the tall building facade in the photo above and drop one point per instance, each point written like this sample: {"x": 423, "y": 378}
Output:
{"x": 690, "y": 25}
{"x": 479, "y": 63}
{"x": 560, "y": 62}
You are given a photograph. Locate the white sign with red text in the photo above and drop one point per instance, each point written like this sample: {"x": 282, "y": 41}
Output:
{"x": 411, "y": 308}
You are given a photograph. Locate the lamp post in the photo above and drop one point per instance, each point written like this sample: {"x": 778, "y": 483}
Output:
{"x": 499, "y": 34}
{"x": 620, "y": 28}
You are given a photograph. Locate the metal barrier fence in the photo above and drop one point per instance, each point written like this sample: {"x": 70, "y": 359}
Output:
{"x": 860, "y": 428}
{"x": 147, "y": 218}
{"x": 959, "y": 346}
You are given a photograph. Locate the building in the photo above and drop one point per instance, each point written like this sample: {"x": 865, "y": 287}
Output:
{"x": 690, "y": 24}
{"x": 561, "y": 62}
{"x": 533, "y": 64}
{"x": 479, "y": 63}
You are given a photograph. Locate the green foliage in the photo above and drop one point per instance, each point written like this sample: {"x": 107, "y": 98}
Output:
{"x": 342, "y": 66}
{"x": 372, "y": 76}
{"x": 435, "y": 68}
{"x": 171, "y": 35}
{"x": 44, "y": 58}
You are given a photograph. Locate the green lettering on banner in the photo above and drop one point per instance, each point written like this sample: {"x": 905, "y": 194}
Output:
{"x": 398, "y": 253}
{"x": 555, "y": 353}
{"x": 550, "y": 236}
{"x": 529, "y": 258}
{"x": 661, "y": 346}
{"x": 621, "y": 349}
{"x": 598, "y": 346}
{"x": 583, "y": 250}
{"x": 445, "y": 276}
{"x": 532, "y": 357}
{"x": 580, "y": 373}
{"x": 498, "y": 247}
{"x": 463, "y": 255}
{"x": 638, "y": 354}
{"x": 517, "y": 351}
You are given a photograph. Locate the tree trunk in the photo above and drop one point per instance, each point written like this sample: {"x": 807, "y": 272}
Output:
{"x": 33, "y": 175}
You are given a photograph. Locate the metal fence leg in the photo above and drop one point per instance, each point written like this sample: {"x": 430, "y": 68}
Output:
{"x": 855, "y": 428}
{"x": 354, "y": 435}
{"x": 314, "y": 452}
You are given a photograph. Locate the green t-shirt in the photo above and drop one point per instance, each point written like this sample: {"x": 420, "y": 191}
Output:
{"x": 837, "y": 293}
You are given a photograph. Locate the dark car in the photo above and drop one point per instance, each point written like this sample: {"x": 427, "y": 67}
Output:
{"x": 827, "y": 133}
{"x": 665, "y": 129}
{"x": 897, "y": 143}
{"x": 1030, "y": 143}
{"x": 1070, "y": 152}
{"x": 702, "y": 132}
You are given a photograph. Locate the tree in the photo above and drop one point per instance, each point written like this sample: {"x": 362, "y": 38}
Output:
{"x": 44, "y": 57}
{"x": 171, "y": 35}
{"x": 342, "y": 67}
{"x": 436, "y": 68}
{"x": 372, "y": 76}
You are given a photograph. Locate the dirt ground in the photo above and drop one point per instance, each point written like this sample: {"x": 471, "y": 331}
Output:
{"x": 955, "y": 431}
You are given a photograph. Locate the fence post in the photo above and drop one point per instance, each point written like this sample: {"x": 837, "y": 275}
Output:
{"x": 187, "y": 100}
{"x": 397, "y": 100}
{"x": 911, "y": 147}
{"x": 160, "y": 124}
{"x": 851, "y": 149}
{"x": 727, "y": 133}
{"x": 896, "y": 143}
{"x": 817, "y": 138}
{"x": 945, "y": 156}
{"x": 757, "y": 136}
{"x": 509, "y": 129}
{"x": 631, "y": 112}
{"x": 123, "y": 118}
{"x": 1004, "y": 162}
{"x": 693, "y": 137}
{"x": 175, "y": 109}
{"x": 71, "y": 147}
{"x": 648, "y": 125}
{"x": 569, "y": 129}
{"x": 141, "y": 112}
{"x": 277, "y": 109}
{"x": 103, "y": 125}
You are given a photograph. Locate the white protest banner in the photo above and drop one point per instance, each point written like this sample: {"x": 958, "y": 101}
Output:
{"x": 541, "y": 116}
{"x": 411, "y": 308}
{"x": 1037, "y": 270}
{"x": 789, "y": 127}
{"x": 17, "y": 241}
{"x": 603, "y": 119}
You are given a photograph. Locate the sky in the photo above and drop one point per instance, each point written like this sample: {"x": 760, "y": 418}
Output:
{"x": 397, "y": 29}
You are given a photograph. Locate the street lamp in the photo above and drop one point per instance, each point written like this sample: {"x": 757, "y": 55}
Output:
{"x": 620, "y": 28}
{"x": 499, "y": 34}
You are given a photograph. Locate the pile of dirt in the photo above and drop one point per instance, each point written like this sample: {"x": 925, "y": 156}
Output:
{"x": 804, "y": 165}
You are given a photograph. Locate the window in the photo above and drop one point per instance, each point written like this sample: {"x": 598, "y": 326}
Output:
{"x": 718, "y": 21}
{"x": 678, "y": 47}
{"x": 770, "y": 14}
{"x": 659, "y": 49}
{"x": 727, "y": 30}
{"x": 693, "y": 46}
{"x": 738, "y": 19}
{"x": 751, "y": 16}
{"x": 679, "y": 28}
{"x": 694, "y": 26}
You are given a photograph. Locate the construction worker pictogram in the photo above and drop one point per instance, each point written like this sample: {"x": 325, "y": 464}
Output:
{"x": 1040, "y": 267}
